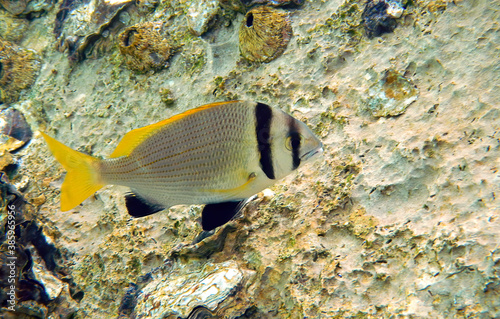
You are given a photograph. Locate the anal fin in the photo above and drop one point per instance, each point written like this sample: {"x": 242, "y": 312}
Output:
{"x": 138, "y": 206}
{"x": 215, "y": 215}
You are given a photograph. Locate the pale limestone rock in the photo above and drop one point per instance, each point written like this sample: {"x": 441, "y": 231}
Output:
{"x": 200, "y": 14}
{"x": 399, "y": 218}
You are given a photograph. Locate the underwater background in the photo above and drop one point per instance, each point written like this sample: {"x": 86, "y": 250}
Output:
{"x": 399, "y": 218}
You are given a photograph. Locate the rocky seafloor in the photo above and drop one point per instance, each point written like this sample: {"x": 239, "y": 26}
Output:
{"x": 400, "y": 218}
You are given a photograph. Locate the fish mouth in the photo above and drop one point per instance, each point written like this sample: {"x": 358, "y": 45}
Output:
{"x": 312, "y": 153}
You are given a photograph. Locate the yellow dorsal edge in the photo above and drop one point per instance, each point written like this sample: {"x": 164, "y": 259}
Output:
{"x": 135, "y": 137}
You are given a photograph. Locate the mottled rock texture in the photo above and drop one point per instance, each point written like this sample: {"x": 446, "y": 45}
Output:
{"x": 400, "y": 218}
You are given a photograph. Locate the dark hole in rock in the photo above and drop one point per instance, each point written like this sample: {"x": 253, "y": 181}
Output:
{"x": 252, "y": 312}
{"x": 249, "y": 20}
{"x": 1, "y": 69}
{"x": 201, "y": 312}
{"x": 129, "y": 39}
{"x": 11, "y": 170}
{"x": 78, "y": 296}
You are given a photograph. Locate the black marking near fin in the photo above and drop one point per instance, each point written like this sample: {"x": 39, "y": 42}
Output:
{"x": 215, "y": 215}
{"x": 139, "y": 207}
{"x": 264, "y": 116}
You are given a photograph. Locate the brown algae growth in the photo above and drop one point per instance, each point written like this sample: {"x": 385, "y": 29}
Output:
{"x": 18, "y": 69}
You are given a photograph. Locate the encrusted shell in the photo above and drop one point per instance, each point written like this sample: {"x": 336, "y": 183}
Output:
{"x": 26, "y": 7}
{"x": 264, "y": 34}
{"x": 391, "y": 95}
{"x": 14, "y": 7}
{"x": 145, "y": 47}
{"x": 177, "y": 295}
{"x": 18, "y": 69}
{"x": 379, "y": 16}
{"x": 79, "y": 26}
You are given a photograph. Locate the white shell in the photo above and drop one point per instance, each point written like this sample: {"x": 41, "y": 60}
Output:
{"x": 53, "y": 286}
{"x": 179, "y": 293}
{"x": 394, "y": 9}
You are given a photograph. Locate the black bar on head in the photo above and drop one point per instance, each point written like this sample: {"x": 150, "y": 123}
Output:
{"x": 264, "y": 116}
{"x": 295, "y": 142}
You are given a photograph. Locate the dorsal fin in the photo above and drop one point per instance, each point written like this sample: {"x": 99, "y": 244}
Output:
{"x": 135, "y": 137}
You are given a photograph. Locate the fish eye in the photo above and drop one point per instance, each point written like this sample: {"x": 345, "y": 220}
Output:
{"x": 293, "y": 141}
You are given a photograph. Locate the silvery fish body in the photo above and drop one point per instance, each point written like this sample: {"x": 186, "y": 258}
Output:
{"x": 218, "y": 154}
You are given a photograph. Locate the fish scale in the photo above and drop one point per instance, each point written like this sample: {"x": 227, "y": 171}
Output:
{"x": 187, "y": 165}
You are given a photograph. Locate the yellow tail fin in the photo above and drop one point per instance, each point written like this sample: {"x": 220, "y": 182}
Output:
{"x": 82, "y": 180}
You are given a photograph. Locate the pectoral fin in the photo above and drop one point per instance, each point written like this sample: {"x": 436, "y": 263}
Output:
{"x": 251, "y": 178}
{"x": 138, "y": 206}
{"x": 215, "y": 215}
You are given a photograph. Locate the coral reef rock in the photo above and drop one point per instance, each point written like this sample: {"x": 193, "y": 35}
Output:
{"x": 200, "y": 14}
{"x": 391, "y": 95}
{"x": 264, "y": 34}
{"x": 38, "y": 267}
{"x": 400, "y": 217}
{"x": 275, "y": 3}
{"x": 145, "y": 47}
{"x": 18, "y": 69}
